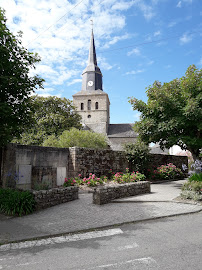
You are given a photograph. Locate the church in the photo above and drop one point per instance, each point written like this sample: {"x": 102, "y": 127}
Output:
{"x": 93, "y": 104}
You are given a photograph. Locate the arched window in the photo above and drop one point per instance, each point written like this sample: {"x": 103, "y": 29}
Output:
{"x": 96, "y": 105}
{"x": 82, "y": 106}
{"x": 89, "y": 104}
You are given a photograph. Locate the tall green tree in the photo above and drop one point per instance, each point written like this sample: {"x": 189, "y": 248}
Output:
{"x": 173, "y": 113}
{"x": 16, "y": 84}
{"x": 79, "y": 138}
{"x": 51, "y": 116}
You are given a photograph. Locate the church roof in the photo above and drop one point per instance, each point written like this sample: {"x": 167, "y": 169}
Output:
{"x": 93, "y": 92}
{"x": 92, "y": 59}
{"x": 121, "y": 131}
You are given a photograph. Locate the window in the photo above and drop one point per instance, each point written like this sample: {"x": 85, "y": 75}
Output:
{"x": 96, "y": 105}
{"x": 89, "y": 116}
{"x": 82, "y": 106}
{"x": 89, "y": 104}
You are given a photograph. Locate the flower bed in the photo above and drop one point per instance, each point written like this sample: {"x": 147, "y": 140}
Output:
{"x": 165, "y": 172}
{"x": 192, "y": 189}
{"x": 93, "y": 181}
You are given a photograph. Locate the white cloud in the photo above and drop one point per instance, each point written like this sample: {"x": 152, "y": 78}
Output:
{"x": 180, "y": 3}
{"x": 134, "y": 72}
{"x": 157, "y": 33}
{"x": 104, "y": 65}
{"x": 185, "y": 39}
{"x": 136, "y": 116}
{"x": 151, "y": 62}
{"x": 171, "y": 24}
{"x": 135, "y": 51}
{"x": 74, "y": 81}
{"x": 200, "y": 62}
{"x": 60, "y": 33}
{"x": 122, "y": 5}
{"x": 114, "y": 40}
{"x": 147, "y": 10}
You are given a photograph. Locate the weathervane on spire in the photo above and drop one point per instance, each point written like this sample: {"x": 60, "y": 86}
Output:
{"x": 92, "y": 23}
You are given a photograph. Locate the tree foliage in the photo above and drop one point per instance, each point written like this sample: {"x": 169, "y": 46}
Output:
{"x": 173, "y": 113}
{"x": 16, "y": 84}
{"x": 79, "y": 138}
{"x": 51, "y": 116}
{"x": 138, "y": 155}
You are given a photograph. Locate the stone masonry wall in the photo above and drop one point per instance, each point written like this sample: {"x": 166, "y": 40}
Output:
{"x": 98, "y": 161}
{"x": 32, "y": 165}
{"x": 159, "y": 159}
{"x": 35, "y": 164}
{"x": 51, "y": 197}
{"x": 103, "y": 195}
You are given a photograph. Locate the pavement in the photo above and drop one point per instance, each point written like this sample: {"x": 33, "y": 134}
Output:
{"x": 81, "y": 215}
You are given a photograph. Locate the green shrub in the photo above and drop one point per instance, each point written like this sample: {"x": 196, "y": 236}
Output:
{"x": 169, "y": 171}
{"x": 138, "y": 155}
{"x": 195, "y": 177}
{"x": 69, "y": 182}
{"x": 193, "y": 186}
{"x": 41, "y": 186}
{"x": 15, "y": 202}
{"x": 192, "y": 190}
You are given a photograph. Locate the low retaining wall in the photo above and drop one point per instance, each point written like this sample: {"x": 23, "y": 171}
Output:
{"x": 51, "y": 197}
{"x": 103, "y": 195}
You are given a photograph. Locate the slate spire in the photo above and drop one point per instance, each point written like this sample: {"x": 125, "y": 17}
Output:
{"x": 92, "y": 76}
{"x": 92, "y": 59}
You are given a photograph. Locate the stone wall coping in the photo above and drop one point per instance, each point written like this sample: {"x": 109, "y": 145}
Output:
{"x": 59, "y": 189}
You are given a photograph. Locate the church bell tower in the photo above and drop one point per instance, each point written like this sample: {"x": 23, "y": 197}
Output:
{"x": 92, "y": 103}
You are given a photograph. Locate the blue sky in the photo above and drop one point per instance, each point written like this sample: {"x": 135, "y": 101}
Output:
{"x": 137, "y": 42}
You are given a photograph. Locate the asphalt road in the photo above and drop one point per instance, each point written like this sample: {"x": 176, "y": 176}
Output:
{"x": 167, "y": 243}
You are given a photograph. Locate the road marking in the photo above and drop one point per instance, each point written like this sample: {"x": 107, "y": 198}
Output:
{"x": 134, "y": 245}
{"x": 61, "y": 239}
{"x": 136, "y": 262}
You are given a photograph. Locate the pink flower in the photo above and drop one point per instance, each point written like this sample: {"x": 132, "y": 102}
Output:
{"x": 74, "y": 181}
{"x": 84, "y": 180}
{"x": 90, "y": 174}
{"x": 98, "y": 179}
{"x": 88, "y": 183}
{"x": 79, "y": 175}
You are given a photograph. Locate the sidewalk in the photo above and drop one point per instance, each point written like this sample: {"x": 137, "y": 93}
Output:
{"x": 82, "y": 215}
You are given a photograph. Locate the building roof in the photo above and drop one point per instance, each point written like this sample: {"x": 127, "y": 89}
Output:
{"x": 121, "y": 131}
{"x": 91, "y": 93}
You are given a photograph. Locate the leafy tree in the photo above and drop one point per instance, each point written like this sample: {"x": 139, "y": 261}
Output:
{"x": 79, "y": 138}
{"x": 52, "y": 115}
{"x": 16, "y": 84}
{"x": 138, "y": 155}
{"x": 173, "y": 113}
